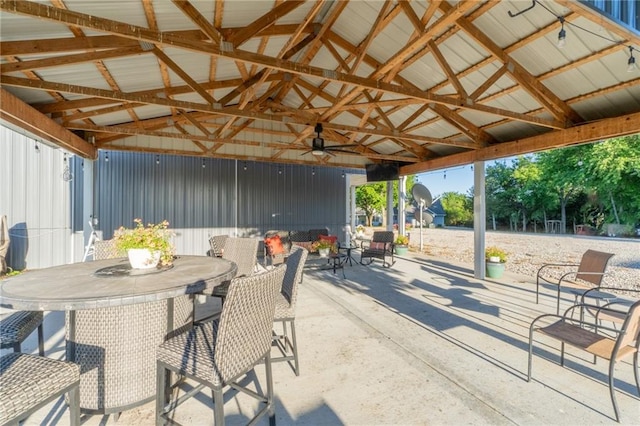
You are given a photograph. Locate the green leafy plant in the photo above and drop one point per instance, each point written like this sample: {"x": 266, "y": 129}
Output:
{"x": 494, "y": 251}
{"x": 402, "y": 240}
{"x": 155, "y": 237}
{"x": 324, "y": 244}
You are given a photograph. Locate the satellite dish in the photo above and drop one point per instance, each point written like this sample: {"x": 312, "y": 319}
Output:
{"x": 421, "y": 194}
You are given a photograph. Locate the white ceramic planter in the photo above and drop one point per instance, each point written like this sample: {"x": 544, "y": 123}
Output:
{"x": 323, "y": 252}
{"x": 143, "y": 258}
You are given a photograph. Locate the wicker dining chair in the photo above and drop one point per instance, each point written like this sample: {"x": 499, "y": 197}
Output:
{"x": 286, "y": 309}
{"x": 17, "y": 326}
{"x": 244, "y": 253}
{"x": 28, "y": 382}
{"x": 217, "y": 243}
{"x": 218, "y": 353}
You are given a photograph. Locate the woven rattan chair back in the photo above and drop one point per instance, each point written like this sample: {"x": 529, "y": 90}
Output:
{"x": 593, "y": 266}
{"x": 244, "y": 252}
{"x": 29, "y": 382}
{"x": 217, "y": 243}
{"x": 16, "y": 327}
{"x": 314, "y": 234}
{"x": 105, "y": 249}
{"x": 292, "y": 279}
{"x": 285, "y": 340}
{"x": 246, "y": 322}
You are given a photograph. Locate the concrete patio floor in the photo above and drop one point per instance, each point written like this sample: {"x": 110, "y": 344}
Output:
{"x": 420, "y": 343}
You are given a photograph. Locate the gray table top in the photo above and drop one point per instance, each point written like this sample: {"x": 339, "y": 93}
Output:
{"x": 78, "y": 286}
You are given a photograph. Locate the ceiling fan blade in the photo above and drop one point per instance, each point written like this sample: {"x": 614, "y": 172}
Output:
{"x": 350, "y": 145}
{"x": 329, "y": 149}
{"x": 306, "y": 152}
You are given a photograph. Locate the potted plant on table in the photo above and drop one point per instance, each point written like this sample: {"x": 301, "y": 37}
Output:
{"x": 146, "y": 246}
{"x": 323, "y": 247}
{"x": 401, "y": 245}
{"x": 495, "y": 259}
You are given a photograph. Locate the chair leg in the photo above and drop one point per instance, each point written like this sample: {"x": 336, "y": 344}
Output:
{"x": 41, "y": 339}
{"x": 635, "y": 371}
{"x": 562, "y": 354}
{"x": 161, "y": 394}
{"x": 558, "y": 302}
{"x": 74, "y": 405}
{"x": 294, "y": 347}
{"x": 530, "y": 354}
{"x": 537, "y": 289}
{"x": 271, "y": 410}
{"x": 612, "y": 390}
{"x": 218, "y": 407}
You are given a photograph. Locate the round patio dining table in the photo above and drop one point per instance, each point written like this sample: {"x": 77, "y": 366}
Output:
{"x": 115, "y": 319}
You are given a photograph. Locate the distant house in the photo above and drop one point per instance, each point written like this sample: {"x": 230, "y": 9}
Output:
{"x": 437, "y": 212}
{"x": 433, "y": 215}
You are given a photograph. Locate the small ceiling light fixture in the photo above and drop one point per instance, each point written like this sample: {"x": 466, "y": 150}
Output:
{"x": 313, "y": 171}
{"x": 203, "y": 164}
{"x": 157, "y": 159}
{"x": 245, "y": 166}
{"x": 631, "y": 63}
{"x": 342, "y": 175}
{"x": 445, "y": 175}
{"x": 562, "y": 35}
{"x": 37, "y": 148}
{"x": 279, "y": 170}
{"x": 106, "y": 157}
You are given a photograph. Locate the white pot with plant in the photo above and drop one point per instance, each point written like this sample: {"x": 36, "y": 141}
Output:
{"x": 324, "y": 247}
{"x": 146, "y": 246}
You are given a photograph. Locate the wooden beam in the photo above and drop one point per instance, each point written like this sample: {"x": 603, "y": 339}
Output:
{"x": 16, "y": 112}
{"x": 197, "y": 18}
{"x": 585, "y": 133}
{"x": 264, "y": 21}
{"x": 139, "y": 33}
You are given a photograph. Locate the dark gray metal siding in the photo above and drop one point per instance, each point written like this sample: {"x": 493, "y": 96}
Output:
{"x": 217, "y": 199}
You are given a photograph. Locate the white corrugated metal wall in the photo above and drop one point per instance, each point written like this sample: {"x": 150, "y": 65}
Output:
{"x": 36, "y": 200}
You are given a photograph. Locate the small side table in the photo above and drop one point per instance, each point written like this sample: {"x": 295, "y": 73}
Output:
{"x": 347, "y": 247}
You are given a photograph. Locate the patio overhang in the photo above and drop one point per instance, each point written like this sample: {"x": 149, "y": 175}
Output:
{"x": 425, "y": 84}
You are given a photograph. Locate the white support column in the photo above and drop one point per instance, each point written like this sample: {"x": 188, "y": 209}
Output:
{"x": 479, "y": 220}
{"x": 88, "y": 215}
{"x": 389, "y": 205}
{"x": 402, "y": 199}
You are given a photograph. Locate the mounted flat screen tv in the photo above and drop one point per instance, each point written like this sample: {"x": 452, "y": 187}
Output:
{"x": 382, "y": 172}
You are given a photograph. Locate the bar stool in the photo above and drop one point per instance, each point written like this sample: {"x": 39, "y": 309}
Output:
{"x": 15, "y": 328}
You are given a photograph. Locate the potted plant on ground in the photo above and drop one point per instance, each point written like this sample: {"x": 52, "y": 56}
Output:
{"x": 146, "y": 246}
{"x": 360, "y": 231}
{"x": 401, "y": 245}
{"x": 323, "y": 247}
{"x": 495, "y": 259}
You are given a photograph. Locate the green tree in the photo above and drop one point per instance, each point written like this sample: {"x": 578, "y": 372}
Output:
{"x": 458, "y": 208}
{"x": 500, "y": 194}
{"x": 612, "y": 170}
{"x": 371, "y": 199}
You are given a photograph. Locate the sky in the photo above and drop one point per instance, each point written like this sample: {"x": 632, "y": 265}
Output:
{"x": 455, "y": 179}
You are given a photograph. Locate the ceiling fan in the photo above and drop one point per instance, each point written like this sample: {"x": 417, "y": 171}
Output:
{"x": 318, "y": 147}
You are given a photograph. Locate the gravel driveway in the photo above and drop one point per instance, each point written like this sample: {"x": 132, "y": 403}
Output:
{"x": 527, "y": 252}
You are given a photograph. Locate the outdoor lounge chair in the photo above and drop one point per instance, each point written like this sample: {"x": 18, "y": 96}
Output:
{"x": 380, "y": 247}
{"x": 218, "y": 353}
{"x": 589, "y": 273}
{"x": 590, "y": 337}
{"x": 286, "y": 309}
